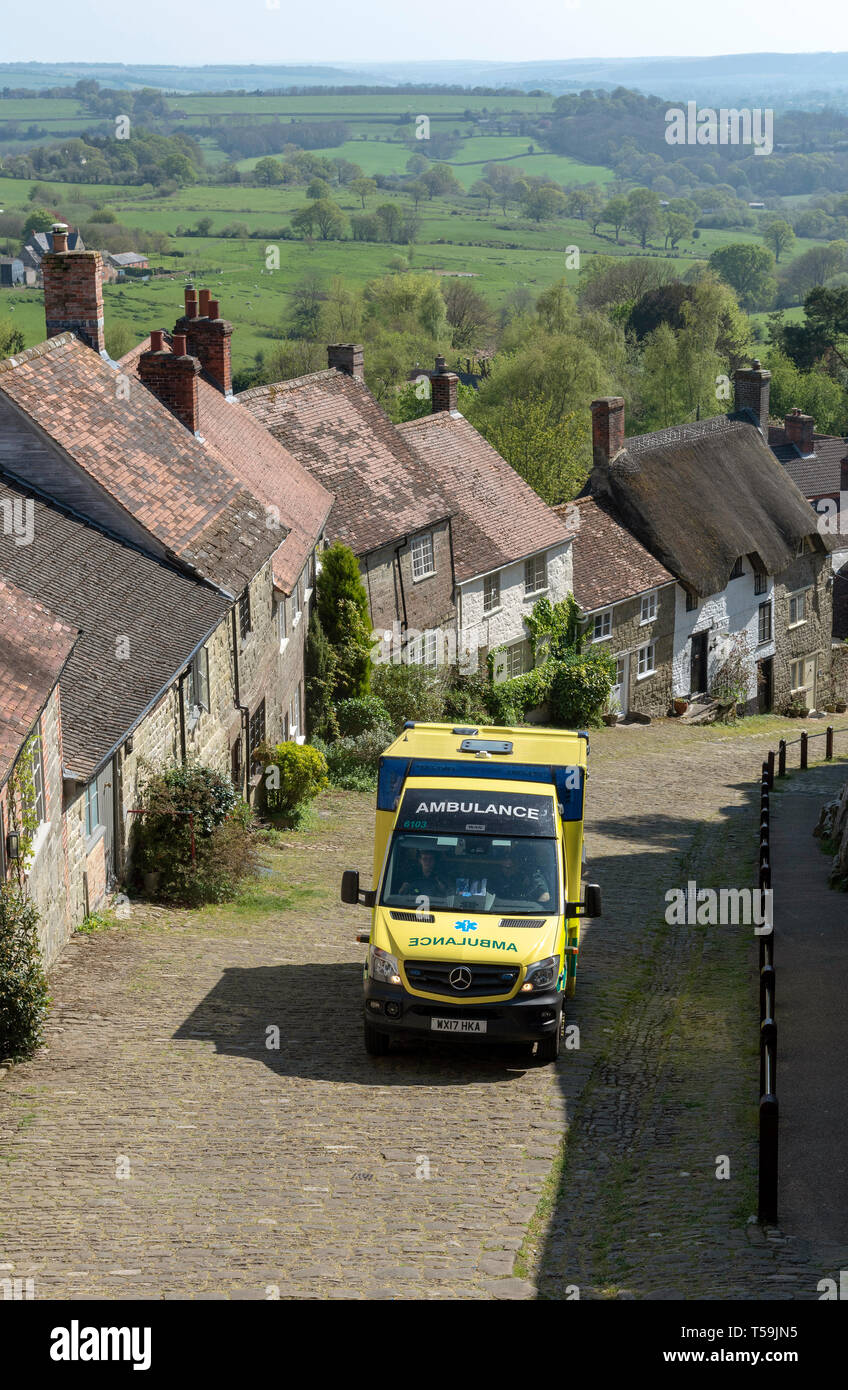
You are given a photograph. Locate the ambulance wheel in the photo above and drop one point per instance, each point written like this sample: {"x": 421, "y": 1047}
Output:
{"x": 376, "y": 1043}
{"x": 547, "y": 1049}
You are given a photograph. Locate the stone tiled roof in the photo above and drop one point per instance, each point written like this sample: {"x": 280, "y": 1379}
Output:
{"x": 700, "y": 495}
{"x": 179, "y": 489}
{"x": 267, "y": 468}
{"x": 139, "y": 621}
{"x": 34, "y": 646}
{"x": 498, "y": 517}
{"x": 816, "y": 474}
{"x": 334, "y": 426}
{"x": 610, "y": 565}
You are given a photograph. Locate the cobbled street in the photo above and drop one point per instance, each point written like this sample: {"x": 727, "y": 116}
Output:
{"x": 158, "y": 1148}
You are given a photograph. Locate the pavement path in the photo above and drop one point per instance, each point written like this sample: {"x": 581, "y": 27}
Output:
{"x": 157, "y": 1147}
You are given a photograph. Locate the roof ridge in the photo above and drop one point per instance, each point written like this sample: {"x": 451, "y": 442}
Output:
{"x": 682, "y": 434}
{"x": 40, "y": 350}
{"x": 286, "y": 385}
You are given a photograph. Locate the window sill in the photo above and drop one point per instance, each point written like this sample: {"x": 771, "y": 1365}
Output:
{"x": 296, "y": 619}
{"x": 39, "y": 840}
{"x": 284, "y": 641}
{"x": 607, "y": 637}
{"x": 536, "y": 593}
{"x": 492, "y": 612}
{"x": 92, "y": 840}
{"x": 643, "y": 675}
{"x": 802, "y": 622}
{"x": 646, "y": 622}
{"x": 416, "y": 578}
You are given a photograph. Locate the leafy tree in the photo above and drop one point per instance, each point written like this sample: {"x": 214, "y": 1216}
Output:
{"x": 318, "y": 188}
{"x": 390, "y": 218}
{"x": 39, "y": 220}
{"x": 468, "y": 314}
{"x": 11, "y": 339}
{"x": 825, "y": 329}
{"x": 541, "y": 204}
{"x": 342, "y": 608}
{"x": 549, "y": 452}
{"x": 812, "y": 390}
{"x": 268, "y": 171}
{"x": 324, "y": 214}
{"x": 779, "y": 237}
{"x": 749, "y": 269}
{"x": 483, "y": 189}
{"x": 643, "y": 213}
{"x": 615, "y": 213}
{"x": 363, "y": 188}
{"x": 320, "y": 671}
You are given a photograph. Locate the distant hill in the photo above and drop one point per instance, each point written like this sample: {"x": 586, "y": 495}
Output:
{"x": 809, "y": 80}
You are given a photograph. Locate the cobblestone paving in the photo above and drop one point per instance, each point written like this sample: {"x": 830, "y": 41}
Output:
{"x": 158, "y": 1148}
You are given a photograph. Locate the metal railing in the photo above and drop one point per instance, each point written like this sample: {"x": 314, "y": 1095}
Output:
{"x": 769, "y": 1110}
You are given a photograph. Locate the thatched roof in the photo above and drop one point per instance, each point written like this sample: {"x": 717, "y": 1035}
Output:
{"x": 700, "y": 495}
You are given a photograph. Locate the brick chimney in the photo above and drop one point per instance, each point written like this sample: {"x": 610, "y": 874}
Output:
{"x": 752, "y": 391}
{"x": 443, "y": 385}
{"x": 208, "y": 337}
{"x": 73, "y": 291}
{"x": 348, "y": 358}
{"x": 607, "y": 429}
{"x": 800, "y": 430}
{"x": 172, "y": 378}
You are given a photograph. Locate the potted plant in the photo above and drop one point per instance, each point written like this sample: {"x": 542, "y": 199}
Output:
{"x": 612, "y": 713}
{"x": 681, "y": 705}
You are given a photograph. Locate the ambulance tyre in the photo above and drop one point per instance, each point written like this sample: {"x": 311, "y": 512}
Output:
{"x": 547, "y": 1049}
{"x": 376, "y": 1043}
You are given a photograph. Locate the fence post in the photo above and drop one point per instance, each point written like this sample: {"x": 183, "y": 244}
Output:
{"x": 781, "y": 758}
{"x": 771, "y": 767}
{"x": 828, "y": 753}
{"x": 804, "y": 740}
{"x": 767, "y": 1196}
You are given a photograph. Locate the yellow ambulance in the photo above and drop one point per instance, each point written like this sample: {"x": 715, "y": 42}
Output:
{"x": 478, "y": 864}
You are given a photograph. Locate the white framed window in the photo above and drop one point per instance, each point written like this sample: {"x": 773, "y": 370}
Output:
{"x": 297, "y": 604}
{"x": 760, "y": 581}
{"x": 296, "y": 713}
{"x": 649, "y": 607}
{"x": 536, "y": 574}
{"x": 92, "y": 808}
{"x": 491, "y": 593}
{"x": 39, "y": 799}
{"x": 800, "y": 547}
{"x": 517, "y": 660}
{"x": 423, "y": 558}
{"x": 645, "y": 660}
{"x": 798, "y": 608}
{"x": 764, "y": 622}
{"x": 424, "y": 649}
{"x": 738, "y": 569}
{"x": 602, "y": 625}
{"x": 283, "y": 620}
{"x": 198, "y": 681}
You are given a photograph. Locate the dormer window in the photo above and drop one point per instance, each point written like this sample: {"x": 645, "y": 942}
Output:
{"x": 738, "y": 570}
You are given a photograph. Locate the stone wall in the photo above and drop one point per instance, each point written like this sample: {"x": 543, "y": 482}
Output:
{"x": 393, "y": 593}
{"x": 649, "y": 694}
{"x": 813, "y": 637}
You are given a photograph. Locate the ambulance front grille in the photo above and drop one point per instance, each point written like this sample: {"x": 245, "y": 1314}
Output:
{"x": 511, "y": 923}
{"x": 412, "y": 916}
{"x": 433, "y": 977}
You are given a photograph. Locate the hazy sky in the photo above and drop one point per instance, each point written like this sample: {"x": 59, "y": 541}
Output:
{"x": 248, "y": 31}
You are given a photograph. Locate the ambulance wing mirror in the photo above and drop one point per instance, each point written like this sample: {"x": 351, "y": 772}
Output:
{"x": 591, "y": 904}
{"x": 352, "y": 893}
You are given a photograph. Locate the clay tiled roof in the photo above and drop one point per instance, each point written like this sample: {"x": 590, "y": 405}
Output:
{"x": 334, "y": 426}
{"x": 610, "y": 565}
{"x": 267, "y": 468}
{"x": 34, "y": 646}
{"x": 499, "y": 518}
{"x": 140, "y": 621}
{"x": 816, "y": 474}
{"x": 179, "y": 489}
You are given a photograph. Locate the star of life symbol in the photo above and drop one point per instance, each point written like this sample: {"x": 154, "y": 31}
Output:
{"x": 466, "y": 925}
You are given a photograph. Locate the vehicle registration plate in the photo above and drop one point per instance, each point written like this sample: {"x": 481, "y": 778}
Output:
{"x": 458, "y": 1025}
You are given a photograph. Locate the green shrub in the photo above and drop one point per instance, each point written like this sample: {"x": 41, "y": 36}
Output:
{"x": 342, "y": 607}
{"x": 320, "y": 668}
{"x": 294, "y": 774}
{"x": 510, "y": 700}
{"x": 409, "y": 692}
{"x": 353, "y": 762}
{"x": 224, "y": 844}
{"x": 580, "y": 688}
{"x": 24, "y": 996}
{"x": 361, "y": 714}
{"x": 466, "y": 699}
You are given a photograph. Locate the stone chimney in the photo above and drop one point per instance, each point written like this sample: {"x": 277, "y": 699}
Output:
{"x": 348, "y": 358}
{"x": 208, "y": 337}
{"x": 752, "y": 392}
{"x": 607, "y": 430}
{"x": 172, "y": 377}
{"x": 73, "y": 291}
{"x": 800, "y": 430}
{"x": 443, "y": 386}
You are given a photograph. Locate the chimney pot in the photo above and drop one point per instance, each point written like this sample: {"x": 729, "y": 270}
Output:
{"x": 190, "y": 302}
{"x": 607, "y": 429}
{"x": 348, "y": 358}
{"x": 59, "y": 232}
{"x": 156, "y": 339}
{"x": 443, "y": 388}
{"x": 214, "y": 309}
{"x": 205, "y": 296}
{"x": 800, "y": 431}
{"x": 178, "y": 345}
{"x": 752, "y": 391}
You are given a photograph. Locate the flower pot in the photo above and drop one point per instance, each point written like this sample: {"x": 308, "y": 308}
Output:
{"x": 681, "y": 706}
{"x": 610, "y": 719}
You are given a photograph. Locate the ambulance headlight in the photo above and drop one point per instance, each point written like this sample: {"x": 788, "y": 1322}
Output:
{"x": 383, "y": 967}
{"x": 541, "y": 974}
